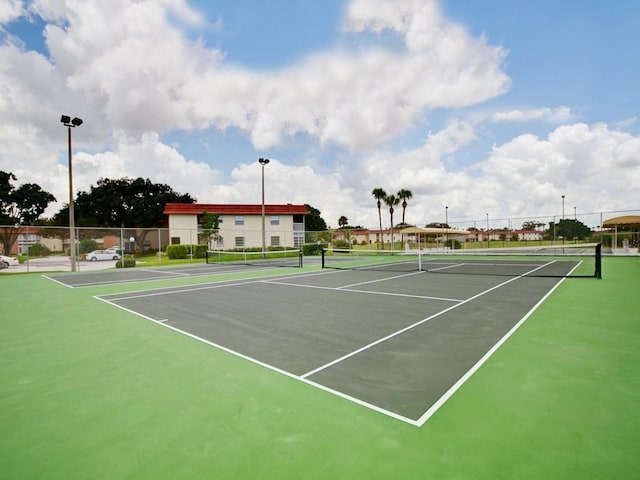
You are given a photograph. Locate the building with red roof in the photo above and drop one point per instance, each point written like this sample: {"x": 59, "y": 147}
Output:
{"x": 240, "y": 225}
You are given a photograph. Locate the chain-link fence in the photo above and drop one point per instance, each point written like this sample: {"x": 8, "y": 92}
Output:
{"x": 624, "y": 237}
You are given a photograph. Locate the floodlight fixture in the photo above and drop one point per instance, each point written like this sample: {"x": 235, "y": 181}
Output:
{"x": 69, "y": 123}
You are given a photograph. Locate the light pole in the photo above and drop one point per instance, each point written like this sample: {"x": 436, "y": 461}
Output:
{"x": 71, "y": 123}
{"x": 263, "y": 162}
{"x": 446, "y": 222}
{"x": 563, "y": 225}
{"x": 488, "y": 233}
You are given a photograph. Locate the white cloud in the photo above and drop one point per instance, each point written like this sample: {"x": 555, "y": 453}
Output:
{"x": 132, "y": 70}
{"x": 148, "y": 75}
{"x": 555, "y": 115}
{"x": 579, "y": 161}
{"x": 10, "y": 10}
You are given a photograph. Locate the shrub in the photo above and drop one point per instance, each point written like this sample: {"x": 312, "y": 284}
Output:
{"x": 181, "y": 252}
{"x": 199, "y": 251}
{"x": 39, "y": 250}
{"x": 313, "y": 248}
{"x": 177, "y": 252}
{"x": 88, "y": 245}
{"x": 127, "y": 261}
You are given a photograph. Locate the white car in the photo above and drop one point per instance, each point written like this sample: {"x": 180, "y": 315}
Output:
{"x": 6, "y": 261}
{"x": 102, "y": 255}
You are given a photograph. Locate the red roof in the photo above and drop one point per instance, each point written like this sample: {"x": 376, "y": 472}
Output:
{"x": 227, "y": 209}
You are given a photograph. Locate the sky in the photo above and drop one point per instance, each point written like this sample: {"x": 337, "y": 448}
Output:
{"x": 483, "y": 110}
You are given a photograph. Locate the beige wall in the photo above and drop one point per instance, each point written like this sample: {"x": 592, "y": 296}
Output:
{"x": 185, "y": 227}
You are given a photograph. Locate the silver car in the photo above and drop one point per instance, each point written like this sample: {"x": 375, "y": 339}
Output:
{"x": 102, "y": 255}
{"x": 6, "y": 261}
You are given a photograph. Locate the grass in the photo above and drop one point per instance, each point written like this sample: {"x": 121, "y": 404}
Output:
{"x": 89, "y": 391}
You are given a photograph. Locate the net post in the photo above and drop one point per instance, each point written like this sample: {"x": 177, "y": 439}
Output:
{"x": 322, "y": 254}
{"x": 206, "y": 257}
{"x": 598, "y": 272}
{"x": 300, "y": 259}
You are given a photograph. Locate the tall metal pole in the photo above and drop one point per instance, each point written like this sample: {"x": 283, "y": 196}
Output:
{"x": 488, "y": 233}
{"x": 263, "y": 162}
{"x": 72, "y": 220}
{"x": 71, "y": 123}
{"x": 564, "y": 227}
{"x": 446, "y": 222}
{"x": 263, "y": 227}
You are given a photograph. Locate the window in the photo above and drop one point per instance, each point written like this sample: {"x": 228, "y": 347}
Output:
{"x": 175, "y": 240}
{"x": 298, "y": 239}
{"x": 239, "y": 220}
{"x": 275, "y": 219}
{"x": 275, "y": 241}
{"x": 239, "y": 241}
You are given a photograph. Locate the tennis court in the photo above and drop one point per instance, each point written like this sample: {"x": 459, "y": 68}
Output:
{"x": 352, "y": 362}
{"x": 399, "y": 343}
{"x": 135, "y": 275}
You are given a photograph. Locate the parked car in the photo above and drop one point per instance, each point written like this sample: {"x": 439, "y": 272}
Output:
{"x": 7, "y": 261}
{"x": 102, "y": 255}
{"x": 114, "y": 249}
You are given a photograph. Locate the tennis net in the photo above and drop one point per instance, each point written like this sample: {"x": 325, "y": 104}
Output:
{"x": 270, "y": 258}
{"x": 571, "y": 260}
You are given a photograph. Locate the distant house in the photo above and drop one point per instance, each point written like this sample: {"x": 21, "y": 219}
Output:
{"x": 364, "y": 236}
{"x": 240, "y": 226}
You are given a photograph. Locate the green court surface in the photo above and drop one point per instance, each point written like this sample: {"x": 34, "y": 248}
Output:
{"x": 94, "y": 391}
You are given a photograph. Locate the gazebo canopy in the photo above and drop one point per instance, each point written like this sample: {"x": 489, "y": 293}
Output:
{"x": 624, "y": 220}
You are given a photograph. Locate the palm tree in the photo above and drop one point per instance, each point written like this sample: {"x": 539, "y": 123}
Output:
{"x": 391, "y": 201}
{"x": 404, "y": 195}
{"x": 343, "y": 221}
{"x": 379, "y": 194}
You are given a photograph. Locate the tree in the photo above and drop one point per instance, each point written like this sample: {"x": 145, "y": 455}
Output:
{"x": 569, "y": 228}
{"x": 313, "y": 221}
{"x": 19, "y": 206}
{"x": 210, "y": 227}
{"x": 343, "y": 221}
{"x": 391, "y": 201}
{"x": 404, "y": 195}
{"x": 531, "y": 225}
{"x": 379, "y": 194}
{"x": 125, "y": 202}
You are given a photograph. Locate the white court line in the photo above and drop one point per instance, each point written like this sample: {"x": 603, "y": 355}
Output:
{"x": 454, "y": 388}
{"x": 57, "y": 281}
{"x": 216, "y": 284}
{"x": 199, "y": 272}
{"x": 352, "y": 290}
{"x": 164, "y": 272}
{"x": 304, "y": 378}
{"x": 266, "y": 365}
{"x": 409, "y": 327}
{"x": 380, "y": 280}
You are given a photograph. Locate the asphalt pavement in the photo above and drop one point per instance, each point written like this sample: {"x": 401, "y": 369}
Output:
{"x": 57, "y": 264}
